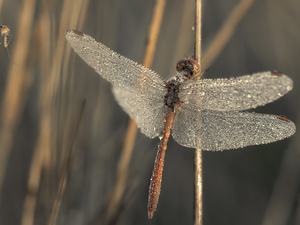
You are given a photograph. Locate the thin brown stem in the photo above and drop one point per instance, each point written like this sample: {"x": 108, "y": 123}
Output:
{"x": 198, "y": 33}
{"x": 33, "y": 184}
{"x": 17, "y": 85}
{"x": 154, "y": 31}
{"x": 65, "y": 171}
{"x": 122, "y": 171}
{"x": 225, "y": 33}
{"x": 198, "y": 187}
{"x": 210, "y": 54}
{"x": 198, "y": 152}
{"x": 1, "y": 1}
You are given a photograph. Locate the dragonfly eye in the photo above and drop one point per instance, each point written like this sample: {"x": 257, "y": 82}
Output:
{"x": 189, "y": 67}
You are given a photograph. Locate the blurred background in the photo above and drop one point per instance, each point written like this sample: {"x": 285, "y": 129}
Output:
{"x": 52, "y": 172}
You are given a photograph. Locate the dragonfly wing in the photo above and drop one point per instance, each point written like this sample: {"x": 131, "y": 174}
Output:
{"x": 215, "y": 130}
{"x": 120, "y": 71}
{"x": 147, "y": 112}
{"x": 235, "y": 94}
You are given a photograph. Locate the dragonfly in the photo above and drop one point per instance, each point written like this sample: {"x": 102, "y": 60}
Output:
{"x": 207, "y": 114}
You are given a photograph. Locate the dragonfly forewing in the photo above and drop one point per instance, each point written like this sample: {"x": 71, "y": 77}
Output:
{"x": 235, "y": 94}
{"x": 215, "y": 130}
{"x": 117, "y": 69}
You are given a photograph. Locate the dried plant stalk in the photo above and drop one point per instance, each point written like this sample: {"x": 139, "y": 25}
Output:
{"x": 198, "y": 152}
{"x": 70, "y": 16}
{"x": 65, "y": 171}
{"x": 225, "y": 32}
{"x": 1, "y": 2}
{"x": 17, "y": 85}
{"x": 41, "y": 27}
{"x": 122, "y": 171}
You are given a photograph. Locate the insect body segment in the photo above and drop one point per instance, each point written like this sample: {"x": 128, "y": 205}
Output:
{"x": 5, "y": 33}
{"x": 187, "y": 68}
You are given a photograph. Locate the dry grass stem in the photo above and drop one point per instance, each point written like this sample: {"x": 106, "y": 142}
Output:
{"x": 184, "y": 35}
{"x": 198, "y": 152}
{"x": 70, "y": 10}
{"x": 1, "y": 2}
{"x": 33, "y": 184}
{"x": 211, "y": 53}
{"x": 49, "y": 88}
{"x": 198, "y": 6}
{"x": 65, "y": 171}
{"x": 198, "y": 187}
{"x": 17, "y": 85}
{"x": 122, "y": 171}
{"x": 225, "y": 33}
{"x": 41, "y": 30}
{"x": 72, "y": 21}
{"x": 153, "y": 32}
{"x": 76, "y": 20}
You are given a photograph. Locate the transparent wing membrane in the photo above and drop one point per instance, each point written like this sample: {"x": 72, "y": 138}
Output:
{"x": 204, "y": 115}
{"x": 235, "y": 94}
{"x": 147, "y": 113}
{"x": 120, "y": 71}
{"x": 215, "y": 131}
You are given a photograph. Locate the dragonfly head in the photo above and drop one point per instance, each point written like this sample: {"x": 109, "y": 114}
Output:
{"x": 188, "y": 67}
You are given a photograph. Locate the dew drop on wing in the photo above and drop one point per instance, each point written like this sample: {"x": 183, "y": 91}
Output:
{"x": 228, "y": 130}
{"x": 160, "y": 136}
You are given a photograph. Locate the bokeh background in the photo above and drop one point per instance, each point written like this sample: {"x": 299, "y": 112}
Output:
{"x": 42, "y": 97}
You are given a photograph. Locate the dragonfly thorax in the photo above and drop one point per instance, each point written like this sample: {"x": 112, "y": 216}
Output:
{"x": 171, "y": 97}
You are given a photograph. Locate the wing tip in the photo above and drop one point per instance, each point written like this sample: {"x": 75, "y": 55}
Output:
{"x": 77, "y": 32}
{"x": 285, "y": 79}
{"x": 72, "y": 33}
{"x": 276, "y": 73}
{"x": 291, "y": 127}
{"x": 283, "y": 118}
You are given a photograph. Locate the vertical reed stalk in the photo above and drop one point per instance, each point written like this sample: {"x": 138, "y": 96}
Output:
{"x": 225, "y": 33}
{"x": 198, "y": 152}
{"x": 122, "y": 171}
{"x": 17, "y": 85}
{"x": 65, "y": 171}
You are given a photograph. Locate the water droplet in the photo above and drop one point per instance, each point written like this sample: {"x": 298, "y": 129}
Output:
{"x": 193, "y": 27}
{"x": 160, "y": 136}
